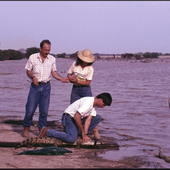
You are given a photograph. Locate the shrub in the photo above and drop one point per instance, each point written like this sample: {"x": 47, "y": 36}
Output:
{"x": 31, "y": 50}
{"x": 61, "y": 55}
{"x": 150, "y": 55}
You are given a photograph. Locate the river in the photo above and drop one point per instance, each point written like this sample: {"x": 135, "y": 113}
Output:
{"x": 139, "y": 117}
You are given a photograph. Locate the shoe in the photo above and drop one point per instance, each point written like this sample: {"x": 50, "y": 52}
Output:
{"x": 26, "y": 132}
{"x": 43, "y": 132}
{"x": 96, "y": 133}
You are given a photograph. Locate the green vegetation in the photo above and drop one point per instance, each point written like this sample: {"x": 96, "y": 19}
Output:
{"x": 61, "y": 55}
{"x": 32, "y": 50}
{"x": 150, "y": 55}
{"x": 74, "y": 55}
{"x": 20, "y": 54}
{"x": 127, "y": 55}
{"x": 10, "y": 55}
{"x": 139, "y": 57}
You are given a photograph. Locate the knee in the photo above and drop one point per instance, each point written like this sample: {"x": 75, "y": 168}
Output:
{"x": 72, "y": 139}
{"x": 99, "y": 118}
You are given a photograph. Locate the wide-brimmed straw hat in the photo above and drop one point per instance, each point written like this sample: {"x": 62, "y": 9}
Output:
{"x": 86, "y": 56}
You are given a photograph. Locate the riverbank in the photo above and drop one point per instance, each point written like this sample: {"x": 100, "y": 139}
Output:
{"x": 80, "y": 158}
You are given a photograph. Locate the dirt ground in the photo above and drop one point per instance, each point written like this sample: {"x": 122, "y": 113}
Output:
{"x": 80, "y": 158}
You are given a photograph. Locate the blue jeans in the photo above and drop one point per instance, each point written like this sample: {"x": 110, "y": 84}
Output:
{"x": 71, "y": 130}
{"x": 79, "y": 92}
{"x": 38, "y": 95}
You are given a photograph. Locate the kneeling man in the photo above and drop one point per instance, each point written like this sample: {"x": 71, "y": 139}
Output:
{"x": 81, "y": 112}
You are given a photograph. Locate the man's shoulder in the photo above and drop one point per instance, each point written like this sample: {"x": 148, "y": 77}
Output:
{"x": 51, "y": 57}
{"x": 88, "y": 98}
{"x": 85, "y": 100}
{"x": 34, "y": 55}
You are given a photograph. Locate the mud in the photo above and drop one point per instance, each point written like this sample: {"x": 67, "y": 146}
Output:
{"x": 82, "y": 158}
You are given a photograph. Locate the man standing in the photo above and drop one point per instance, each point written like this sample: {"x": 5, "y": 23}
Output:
{"x": 39, "y": 68}
{"x": 81, "y": 112}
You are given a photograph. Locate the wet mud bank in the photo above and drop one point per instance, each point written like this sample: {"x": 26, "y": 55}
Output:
{"x": 83, "y": 158}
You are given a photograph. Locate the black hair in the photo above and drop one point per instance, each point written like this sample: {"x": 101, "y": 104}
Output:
{"x": 43, "y": 42}
{"x": 79, "y": 62}
{"x": 107, "y": 98}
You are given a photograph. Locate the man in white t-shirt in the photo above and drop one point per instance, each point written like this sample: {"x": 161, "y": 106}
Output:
{"x": 81, "y": 112}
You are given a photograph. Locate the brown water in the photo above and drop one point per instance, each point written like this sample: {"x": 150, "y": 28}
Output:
{"x": 139, "y": 117}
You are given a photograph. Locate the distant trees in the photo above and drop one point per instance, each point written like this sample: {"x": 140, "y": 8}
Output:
{"x": 1, "y": 56}
{"x": 150, "y": 55}
{"x": 61, "y": 55}
{"x": 16, "y": 54}
{"x": 138, "y": 57}
{"x": 74, "y": 55}
{"x": 20, "y": 54}
{"x": 10, "y": 55}
{"x": 127, "y": 55}
{"x": 31, "y": 50}
{"x": 167, "y": 54}
{"x": 97, "y": 56}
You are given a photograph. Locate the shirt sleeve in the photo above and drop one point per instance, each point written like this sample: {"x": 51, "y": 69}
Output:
{"x": 70, "y": 71}
{"x": 54, "y": 68}
{"x": 86, "y": 108}
{"x": 28, "y": 65}
{"x": 90, "y": 73}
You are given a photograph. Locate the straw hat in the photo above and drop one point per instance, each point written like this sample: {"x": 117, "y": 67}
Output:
{"x": 86, "y": 56}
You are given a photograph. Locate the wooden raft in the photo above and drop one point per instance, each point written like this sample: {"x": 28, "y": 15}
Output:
{"x": 103, "y": 143}
{"x": 48, "y": 141}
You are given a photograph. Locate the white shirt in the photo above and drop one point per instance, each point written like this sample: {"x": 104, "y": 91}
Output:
{"x": 84, "y": 106}
{"x": 82, "y": 74}
{"x": 41, "y": 70}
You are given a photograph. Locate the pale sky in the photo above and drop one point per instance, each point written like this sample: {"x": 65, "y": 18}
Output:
{"x": 110, "y": 27}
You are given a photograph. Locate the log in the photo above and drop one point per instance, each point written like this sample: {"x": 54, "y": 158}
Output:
{"x": 77, "y": 145}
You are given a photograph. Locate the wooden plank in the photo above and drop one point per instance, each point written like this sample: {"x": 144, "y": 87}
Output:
{"x": 77, "y": 145}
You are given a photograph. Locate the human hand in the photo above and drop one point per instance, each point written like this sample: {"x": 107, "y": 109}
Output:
{"x": 73, "y": 79}
{"x": 35, "y": 81}
{"x": 86, "y": 138}
{"x": 64, "y": 80}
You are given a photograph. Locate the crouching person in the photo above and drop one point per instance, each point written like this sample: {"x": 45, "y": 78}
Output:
{"x": 80, "y": 116}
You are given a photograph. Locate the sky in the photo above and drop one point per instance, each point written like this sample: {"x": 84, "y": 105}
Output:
{"x": 105, "y": 27}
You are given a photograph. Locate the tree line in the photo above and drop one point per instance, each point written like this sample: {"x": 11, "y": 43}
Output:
{"x": 17, "y": 55}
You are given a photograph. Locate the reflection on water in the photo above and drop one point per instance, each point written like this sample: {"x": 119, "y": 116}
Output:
{"x": 139, "y": 112}
{"x": 125, "y": 151}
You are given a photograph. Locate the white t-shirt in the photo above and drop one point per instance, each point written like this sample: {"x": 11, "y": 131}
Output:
{"x": 82, "y": 74}
{"x": 84, "y": 106}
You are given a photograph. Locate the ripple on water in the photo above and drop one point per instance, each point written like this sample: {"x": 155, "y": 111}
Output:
{"x": 140, "y": 94}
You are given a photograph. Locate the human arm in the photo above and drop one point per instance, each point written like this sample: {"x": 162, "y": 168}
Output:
{"x": 73, "y": 79}
{"x": 77, "y": 119}
{"x": 87, "y": 123}
{"x": 34, "y": 79}
{"x": 76, "y": 70}
{"x": 58, "y": 77}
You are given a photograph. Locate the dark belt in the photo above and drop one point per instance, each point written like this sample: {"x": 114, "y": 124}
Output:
{"x": 66, "y": 114}
{"x": 79, "y": 85}
{"x": 42, "y": 83}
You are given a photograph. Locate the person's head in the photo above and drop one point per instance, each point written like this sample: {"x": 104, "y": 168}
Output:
{"x": 45, "y": 47}
{"x": 85, "y": 58}
{"x": 104, "y": 99}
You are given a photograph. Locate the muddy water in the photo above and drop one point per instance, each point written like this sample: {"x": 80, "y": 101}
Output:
{"x": 139, "y": 117}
